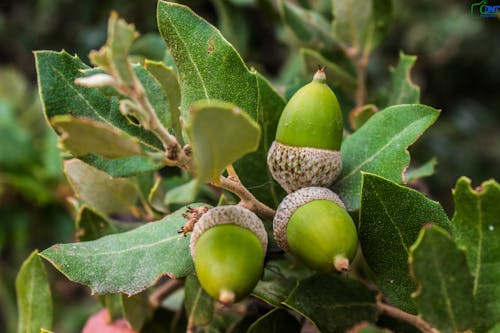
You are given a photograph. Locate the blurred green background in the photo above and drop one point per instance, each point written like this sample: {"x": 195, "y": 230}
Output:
{"x": 458, "y": 70}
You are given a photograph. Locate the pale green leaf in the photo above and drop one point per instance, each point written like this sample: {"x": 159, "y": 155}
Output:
{"x": 167, "y": 78}
{"x": 476, "y": 229}
{"x": 98, "y": 189}
{"x": 182, "y": 194}
{"x": 335, "y": 74}
{"x": 220, "y": 133}
{"x": 391, "y": 217}
{"x": 403, "y": 90}
{"x": 127, "y": 262}
{"x": 361, "y": 24}
{"x": 333, "y": 303}
{"x": 114, "y": 55}
{"x": 82, "y": 136}
{"x": 198, "y": 48}
{"x": 199, "y": 305}
{"x": 425, "y": 170}
{"x": 444, "y": 294}
{"x": 309, "y": 26}
{"x": 351, "y": 19}
{"x": 276, "y": 321}
{"x": 34, "y": 300}
{"x": 379, "y": 147}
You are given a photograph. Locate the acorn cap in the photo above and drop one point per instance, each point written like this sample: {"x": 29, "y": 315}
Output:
{"x": 292, "y": 202}
{"x": 228, "y": 215}
{"x": 298, "y": 167}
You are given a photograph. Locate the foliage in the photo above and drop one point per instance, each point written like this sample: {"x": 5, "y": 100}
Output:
{"x": 128, "y": 157}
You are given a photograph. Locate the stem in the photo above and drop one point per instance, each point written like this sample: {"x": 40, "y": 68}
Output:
{"x": 404, "y": 316}
{"x": 170, "y": 143}
{"x": 157, "y": 297}
{"x": 191, "y": 327}
{"x": 248, "y": 200}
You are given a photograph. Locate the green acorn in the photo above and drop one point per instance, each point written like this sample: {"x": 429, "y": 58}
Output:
{"x": 228, "y": 245}
{"x": 306, "y": 151}
{"x": 314, "y": 226}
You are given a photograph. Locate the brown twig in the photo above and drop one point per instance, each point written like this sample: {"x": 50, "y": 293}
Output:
{"x": 404, "y": 316}
{"x": 157, "y": 297}
{"x": 248, "y": 200}
{"x": 174, "y": 152}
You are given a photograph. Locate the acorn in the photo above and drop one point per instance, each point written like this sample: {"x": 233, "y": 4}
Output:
{"x": 228, "y": 246}
{"x": 306, "y": 151}
{"x": 313, "y": 224}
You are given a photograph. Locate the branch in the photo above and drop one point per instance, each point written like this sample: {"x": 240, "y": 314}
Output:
{"x": 404, "y": 316}
{"x": 248, "y": 200}
{"x": 174, "y": 152}
{"x": 166, "y": 289}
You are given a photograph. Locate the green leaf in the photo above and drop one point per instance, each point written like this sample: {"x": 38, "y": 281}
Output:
{"x": 136, "y": 310}
{"x": 128, "y": 262}
{"x": 91, "y": 225}
{"x": 234, "y": 24}
{"x": 197, "y": 48}
{"x": 495, "y": 329}
{"x": 359, "y": 116}
{"x": 215, "y": 146}
{"x": 182, "y": 194}
{"x": 335, "y": 74}
{"x": 279, "y": 280}
{"x": 275, "y": 321}
{"x": 425, "y": 170}
{"x": 16, "y": 149}
{"x": 351, "y": 19}
{"x": 360, "y": 23}
{"x": 384, "y": 138}
{"x": 34, "y": 300}
{"x": 123, "y": 167}
{"x": 57, "y": 72}
{"x": 150, "y": 46}
{"x": 13, "y": 87}
{"x": 199, "y": 305}
{"x": 167, "y": 78}
{"x": 403, "y": 90}
{"x": 309, "y": 26}
{"x": 114, "y": 55}
{"x": 391, "y": 217}
{"x": 82, "y": 136}
{"x": 333, "y": 303}
{"x": 444, "y": 294}
{"x": 98, "y": 190}
{"x": 476, "y": 229}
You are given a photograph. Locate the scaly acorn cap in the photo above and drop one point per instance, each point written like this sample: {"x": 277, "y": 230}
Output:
{"x": 298, "y": 167}
{"x": 228, "y": 215}
{"x": 291, "y": 203}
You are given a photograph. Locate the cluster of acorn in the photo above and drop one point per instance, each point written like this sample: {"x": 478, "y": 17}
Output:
{"x": 229, "y": 243}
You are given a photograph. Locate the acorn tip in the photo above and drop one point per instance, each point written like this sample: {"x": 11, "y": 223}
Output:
{"x": 341, "y": 263}
{"x": 227, "y": 297}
